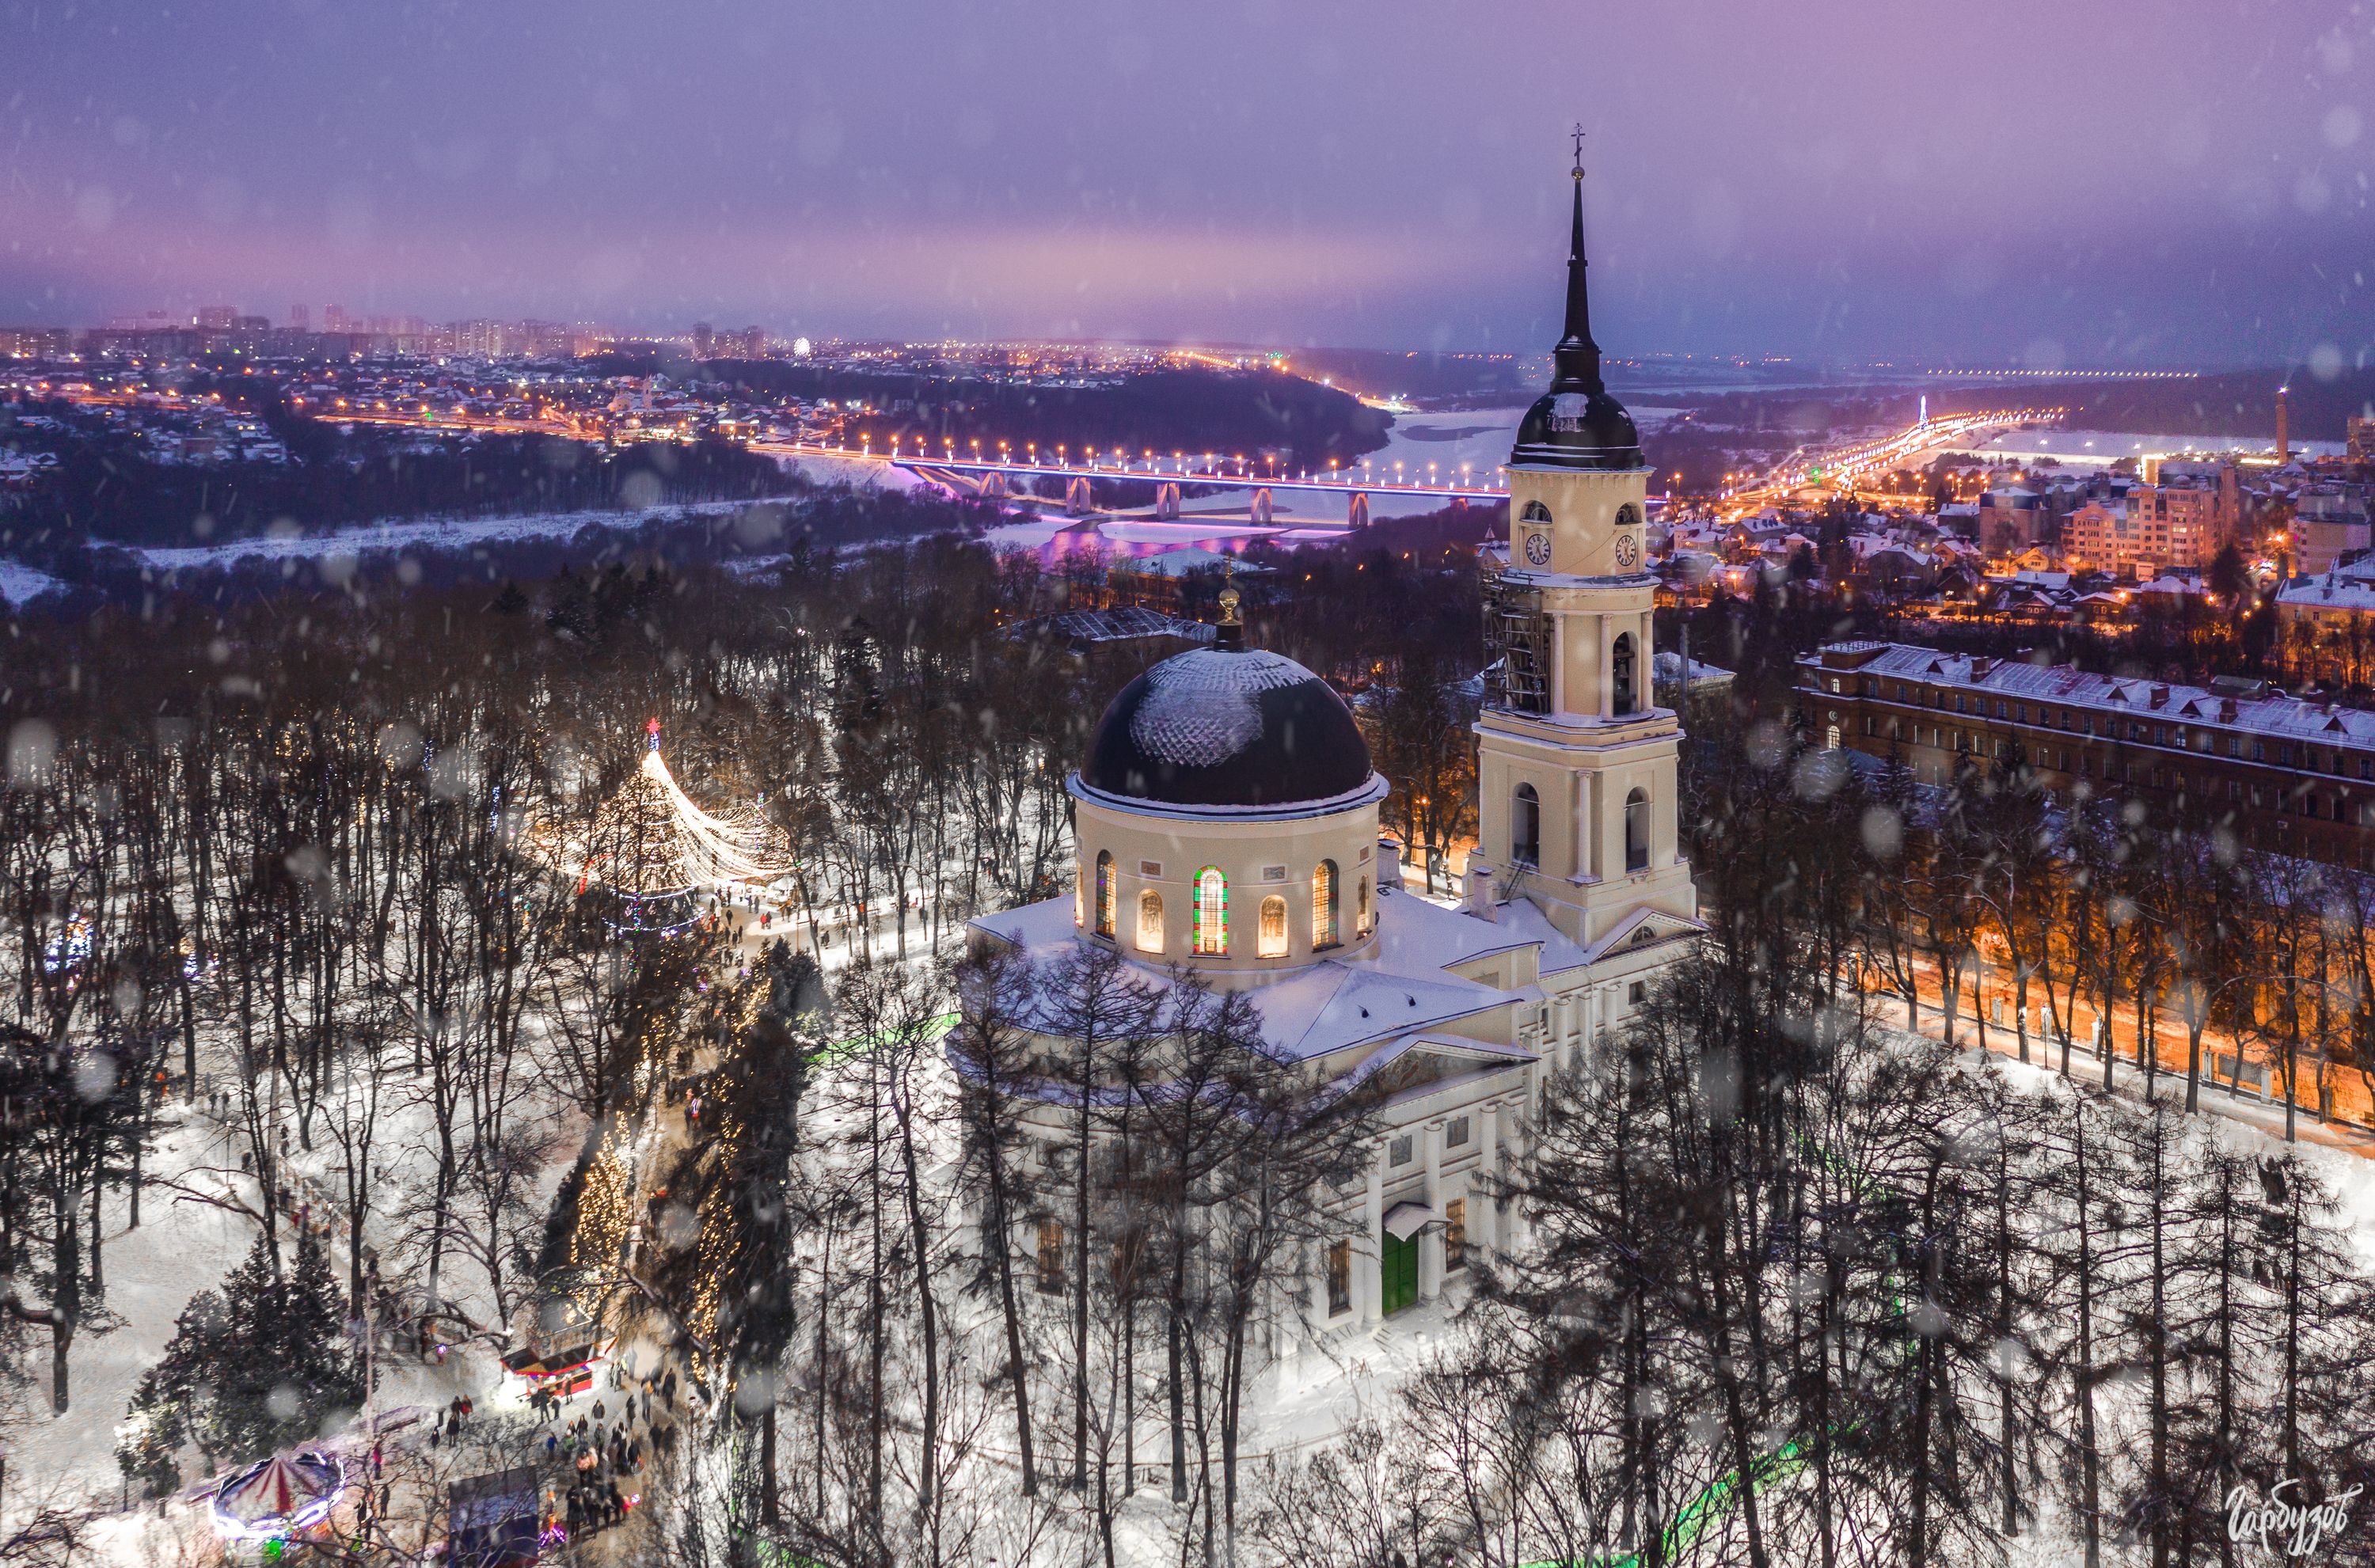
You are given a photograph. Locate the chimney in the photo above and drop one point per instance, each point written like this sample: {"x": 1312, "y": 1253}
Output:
{"x": 2160, "y": 696}
{"x": 2225, "y": 710}
{"x": 1389, "y": 865}
{"x": 1480, "y": 890}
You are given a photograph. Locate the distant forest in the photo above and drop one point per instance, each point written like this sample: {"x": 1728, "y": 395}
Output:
{"x": 1165, "y": 411}
{"x": 108, "y": 489}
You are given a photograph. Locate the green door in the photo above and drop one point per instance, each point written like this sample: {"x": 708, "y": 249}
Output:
{"x": 1397, "y": 1273}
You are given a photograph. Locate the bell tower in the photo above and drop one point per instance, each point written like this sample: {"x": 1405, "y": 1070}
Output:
{"x": 1576, "y": 766}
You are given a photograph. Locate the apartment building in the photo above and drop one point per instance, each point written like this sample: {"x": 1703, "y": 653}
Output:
{"x": 2179, "y": 519}
{"x": 2279, "y": 772}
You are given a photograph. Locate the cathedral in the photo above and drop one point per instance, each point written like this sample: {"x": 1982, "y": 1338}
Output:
{"x": 1226, "y": 818}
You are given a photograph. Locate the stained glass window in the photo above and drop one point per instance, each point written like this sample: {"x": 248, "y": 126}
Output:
{"x": 1212, "y": 912}
{"x": 1323, "y": 905}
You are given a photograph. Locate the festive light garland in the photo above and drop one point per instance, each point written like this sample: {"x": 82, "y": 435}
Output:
{"x": 651, "y": 842}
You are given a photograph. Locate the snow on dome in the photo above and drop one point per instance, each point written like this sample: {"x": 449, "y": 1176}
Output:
{"x": 1201, "y": 708}
{"x": 1231, "y": 728}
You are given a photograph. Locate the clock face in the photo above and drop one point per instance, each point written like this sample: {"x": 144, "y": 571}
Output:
{"x": 1537, "y": 548}
{"x": 1628, "y": 552}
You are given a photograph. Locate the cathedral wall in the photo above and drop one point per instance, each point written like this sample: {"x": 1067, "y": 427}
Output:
{"x": 1260, "y": 860}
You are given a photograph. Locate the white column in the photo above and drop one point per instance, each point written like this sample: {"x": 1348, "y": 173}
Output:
{"x": 1607, "y": 687}
{"x": 1587, "y": 824}
{"x": 1645, "y": 691}
{"x": 1462, "y": 1190}
{"x": 1366, "y": 1276}
{"x": 1509, "y": 1148}
{"x": 1430, "y": 1240}
{"x": 1558, "y": 662}
{"x": 1484, "y": 1224}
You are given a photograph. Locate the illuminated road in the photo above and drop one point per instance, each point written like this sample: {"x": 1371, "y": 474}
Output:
{"x": 2260, "y": 1101}
{"x": 1841, "y": 468}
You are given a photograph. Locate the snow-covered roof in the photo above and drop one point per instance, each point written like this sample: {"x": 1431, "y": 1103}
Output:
{"x": 2340, "y": 589}
{"x": 1122, "y": 623}
{"x": 1186, "y": 559}
{"x": 2272, "y": 713}
{"x": 1668, "y": 666}
{"x": 1397, "y": 984}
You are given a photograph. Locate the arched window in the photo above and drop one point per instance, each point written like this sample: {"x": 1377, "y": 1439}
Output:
{"x": 1636, "y": 832}
{"x": 1620, "y": 674}
{"x": 1106, "y": 892}
{"x": 1525, "y": 827}
{"x": 1211, "y": 913}
{"x": 1150, "y": 921}
{"x": 1831, "y": 742}
{"x": 1367, "y": 917}
{"x": 1270, "y": 936}
{"x": 1080, "y": 894}
{"x": 1323, "y": 905}
{"x": 1535, "y": 512}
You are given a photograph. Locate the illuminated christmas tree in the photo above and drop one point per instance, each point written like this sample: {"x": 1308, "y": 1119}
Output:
{"x": 662, "y": 855}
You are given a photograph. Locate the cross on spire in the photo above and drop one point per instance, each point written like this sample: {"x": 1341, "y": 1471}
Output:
{"x": 1576, "y": 356}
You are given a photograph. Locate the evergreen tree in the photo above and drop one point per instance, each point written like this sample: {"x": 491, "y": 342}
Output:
{"x": 249, "y": 1371}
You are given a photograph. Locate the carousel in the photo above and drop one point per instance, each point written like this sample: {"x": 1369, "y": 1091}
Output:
{"x": 263, "y": 1511}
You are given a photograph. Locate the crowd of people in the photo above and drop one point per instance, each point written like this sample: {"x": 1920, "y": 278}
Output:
{"x": 606, "y": 1445}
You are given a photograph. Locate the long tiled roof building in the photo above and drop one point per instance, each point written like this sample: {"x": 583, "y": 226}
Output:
{"x": 2279, "y": 772}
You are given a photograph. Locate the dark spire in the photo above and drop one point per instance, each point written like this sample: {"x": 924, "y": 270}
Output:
{"x": 1577, "y": 357}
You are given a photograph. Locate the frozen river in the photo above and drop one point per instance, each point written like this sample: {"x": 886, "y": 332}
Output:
{"x": 2077, "y": 448}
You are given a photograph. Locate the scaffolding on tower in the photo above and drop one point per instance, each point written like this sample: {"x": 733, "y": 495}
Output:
{"x": 1518, "y": 650}
{"x": 663, "y": 856}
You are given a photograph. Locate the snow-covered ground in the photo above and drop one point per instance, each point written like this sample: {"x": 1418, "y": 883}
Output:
{"x": 180, "y": 1249}
{"x": 858, "y": 473}
{"x": 183, "y": 1246}
{"x": 20, "y": 584}
{"x": 2242, "y": 1123}
{"x": 429, "y": 534}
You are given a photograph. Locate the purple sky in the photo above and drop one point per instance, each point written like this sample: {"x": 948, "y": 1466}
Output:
{"x": 2079, "y": 181}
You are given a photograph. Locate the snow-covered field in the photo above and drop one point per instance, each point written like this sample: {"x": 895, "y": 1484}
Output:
{"x": 22, "y": 584}
{"x": 858, "y": 473}
{"x": 430, "y": 534}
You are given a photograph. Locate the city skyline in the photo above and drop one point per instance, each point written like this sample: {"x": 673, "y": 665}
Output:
{"x": 1846, "y": 183}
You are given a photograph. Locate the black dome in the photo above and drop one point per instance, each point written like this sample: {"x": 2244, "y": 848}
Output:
{"x": 1218, "y": 727}
{"x": 1578, "y": 430}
